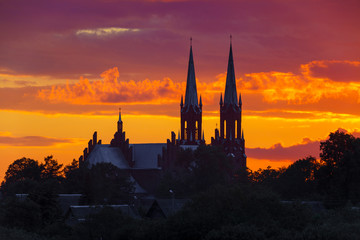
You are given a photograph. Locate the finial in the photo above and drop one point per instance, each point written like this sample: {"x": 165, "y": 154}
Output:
{"x": 200, "y": 102}
{"x": 190, "y": 41}
{"x": 230, "y": 39}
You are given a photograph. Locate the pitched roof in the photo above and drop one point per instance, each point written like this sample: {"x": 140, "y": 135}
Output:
{"x": 146, "y": 155}
{"x": 191, "y": 92}
{"x": 230, "y": 97}
{"x": 103, "y": 153}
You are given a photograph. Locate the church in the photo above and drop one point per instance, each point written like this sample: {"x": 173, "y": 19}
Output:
{"x": 146, "y": 162}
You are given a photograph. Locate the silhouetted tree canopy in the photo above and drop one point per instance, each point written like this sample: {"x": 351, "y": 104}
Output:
{"x": 23, "y": 169}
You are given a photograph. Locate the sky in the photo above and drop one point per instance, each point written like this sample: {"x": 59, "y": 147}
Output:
{"x": 67, "y": 66}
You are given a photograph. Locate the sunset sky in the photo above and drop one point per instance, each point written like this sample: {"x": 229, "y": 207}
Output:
{"x": 67, "y": 66}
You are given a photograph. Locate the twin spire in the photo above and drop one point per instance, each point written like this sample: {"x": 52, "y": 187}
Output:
{"x": 230, "y": 97}
{"x": 191, "y": 92}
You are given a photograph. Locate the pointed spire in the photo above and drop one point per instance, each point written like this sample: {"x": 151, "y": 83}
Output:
{"x": 179, "y": 135}
{"x": 242, "y": 135}
{"x": 120, "y": 115}
{"x": 240, "y": 101}
{"x": 203, "y": 136}
{"x": 230, "y": 96}
{"x": 221, "y": 101}
{"x": 200, "y": 102}
{"x": 181, "y": 102}
{"x": 191, "y": 92}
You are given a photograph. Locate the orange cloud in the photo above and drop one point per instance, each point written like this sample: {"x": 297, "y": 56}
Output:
{"x": 308, "y": 87}
{"x": 111, "y": 90}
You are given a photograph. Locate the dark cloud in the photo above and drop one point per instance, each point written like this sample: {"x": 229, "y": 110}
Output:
{"x": 32, "y": 141}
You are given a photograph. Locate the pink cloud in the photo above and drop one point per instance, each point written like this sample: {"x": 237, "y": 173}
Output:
{"x": 279, "y": 153}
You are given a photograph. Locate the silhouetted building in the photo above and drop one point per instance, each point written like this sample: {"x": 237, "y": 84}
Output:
{"x": 231, "y": 136}
{"x": 191, "y": 111}
{"x": 146, "y": 162}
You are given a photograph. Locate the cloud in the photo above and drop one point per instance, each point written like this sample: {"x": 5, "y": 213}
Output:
{"x": 307, "y": 147}
{"x": 104, "y": 32}
{"x": 32, "y": 141}
{"x": 339, "y": 71}
{"x": 111, "y": 90}
{"x": 303, "y": 88}
{"x": 277, "y": 152}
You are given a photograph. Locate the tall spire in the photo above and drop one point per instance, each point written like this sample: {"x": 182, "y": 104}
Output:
{"x": 230, "y": 96}
{"x": 191, "y": 92}
{"x": 120, "y": 116}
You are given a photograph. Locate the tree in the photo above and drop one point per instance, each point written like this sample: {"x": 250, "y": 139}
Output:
{"x": 23, "y": 169}
{"x": 51, "y": 169}
{"x": 334, "y": 149}
{"x": 22, "y": 176}
{"x": 339, "y": 173}
{"x": 300, "y": 174}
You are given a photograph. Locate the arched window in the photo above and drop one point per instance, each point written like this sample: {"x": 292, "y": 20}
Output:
{"x": 185, "y": 130}
{"x": 225, "y": 128}
{"x": 235, "y": 134}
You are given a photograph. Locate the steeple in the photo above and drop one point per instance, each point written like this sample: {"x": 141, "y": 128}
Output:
{"x": 191, "y": 108}
{"x": 191, "y": 92}
{"x": 119, "y": 116}
{"x": 120, "y": 122}
{"x": 230, "y": 96}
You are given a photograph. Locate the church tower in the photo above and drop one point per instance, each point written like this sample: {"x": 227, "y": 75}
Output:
{"x": 231, "y": 136}
{"x": 191, "y": 110}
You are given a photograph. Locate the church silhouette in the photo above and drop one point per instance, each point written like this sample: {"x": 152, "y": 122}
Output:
{"x": 146, "y": 162}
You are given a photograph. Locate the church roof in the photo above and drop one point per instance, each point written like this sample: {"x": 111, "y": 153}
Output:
{"x": 103, "y": 153}
{"x": 191, "y": 92}
{"x": 146, "y": 155}
{"x": 230, "y": 96}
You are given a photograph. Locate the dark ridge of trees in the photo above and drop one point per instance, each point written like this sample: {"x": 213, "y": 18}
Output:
{"x": 224, "y": 204}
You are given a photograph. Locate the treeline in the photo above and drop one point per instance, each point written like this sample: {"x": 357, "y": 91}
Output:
{"x": 333, "y": 179}
{"x": 223, "y": 204}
